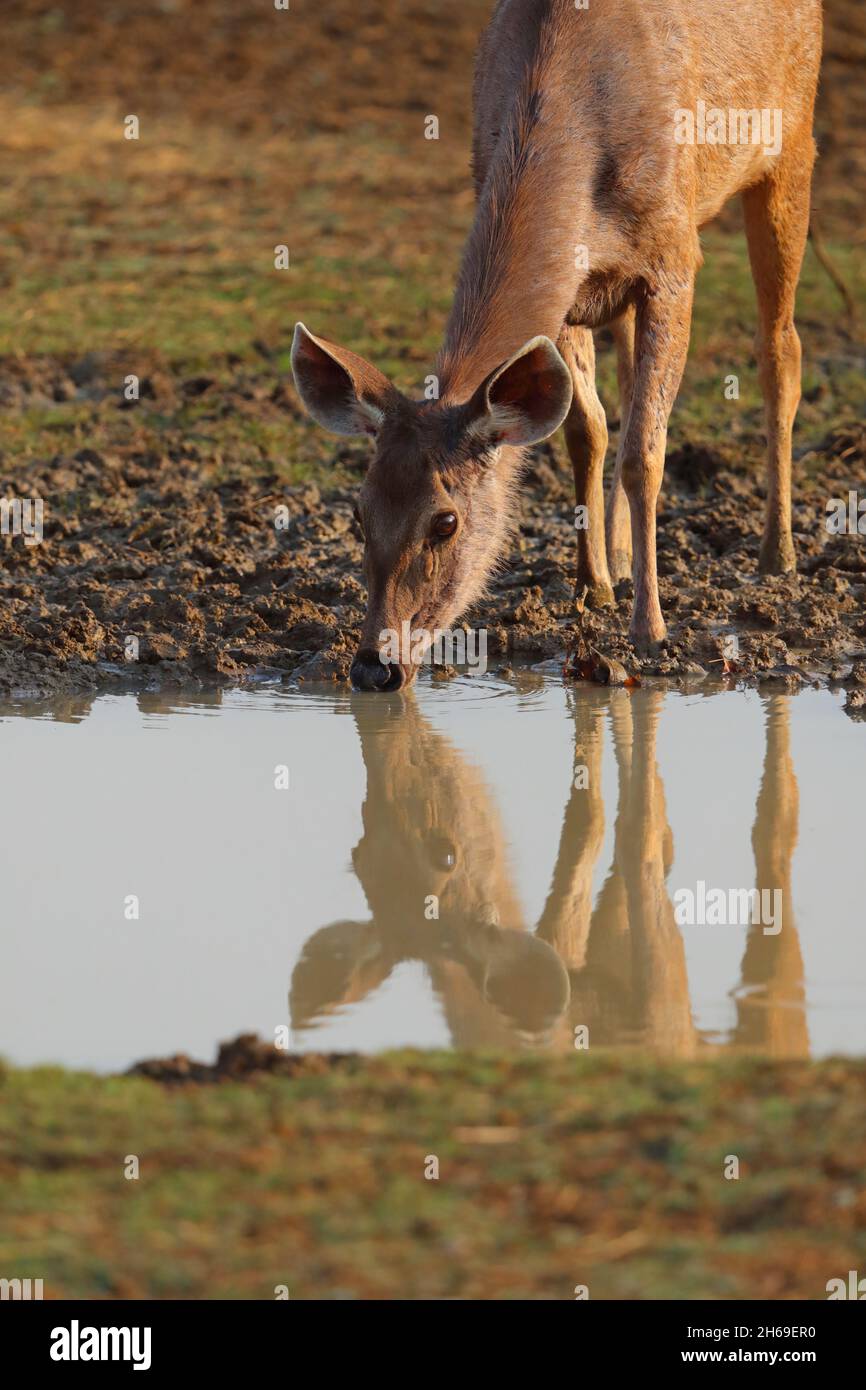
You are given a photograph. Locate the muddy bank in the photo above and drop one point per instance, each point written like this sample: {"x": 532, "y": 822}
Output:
{"x": 245, "y": 1056}
{"x": 203, "y": 579}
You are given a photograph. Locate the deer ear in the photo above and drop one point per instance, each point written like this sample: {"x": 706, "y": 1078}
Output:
{"x": 341, "y": 391}
{"x": 340, "y": 964}
{"x": 524, "y": 400}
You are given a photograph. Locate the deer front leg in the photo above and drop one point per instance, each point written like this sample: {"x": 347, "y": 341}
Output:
{"x": 618, "y": 521}
{"x": 586, "y": 437}
{"x": 661, "y": 344}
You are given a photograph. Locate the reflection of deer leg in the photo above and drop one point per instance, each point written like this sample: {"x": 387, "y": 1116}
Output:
{"x": 661, "y": 978}
{"x": 610, "y": 919}
{"x": 601, "y": 988}
{"x": 771, "y": 1013}
{"x": 564, "y": 923}
{"x": 651, "y": 967}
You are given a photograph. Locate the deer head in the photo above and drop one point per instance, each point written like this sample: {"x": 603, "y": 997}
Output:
{"x": 434, "y": 507}
{"x": 431, "y": 831}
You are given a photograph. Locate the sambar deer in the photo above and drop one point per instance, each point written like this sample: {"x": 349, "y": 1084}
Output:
{"x": 592, "y": 188}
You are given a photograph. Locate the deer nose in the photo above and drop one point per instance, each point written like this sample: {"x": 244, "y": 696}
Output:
{"x": 369, "y": 673}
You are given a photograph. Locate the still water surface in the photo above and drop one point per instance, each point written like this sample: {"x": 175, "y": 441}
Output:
{"x": 553, "y": 830}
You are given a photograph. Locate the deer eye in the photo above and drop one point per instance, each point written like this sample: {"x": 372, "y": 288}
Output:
{"x": 443, "y": 525}
{"x": 442, "y": 852}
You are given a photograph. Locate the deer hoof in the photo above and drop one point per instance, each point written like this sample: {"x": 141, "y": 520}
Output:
{"x": 777, "y": 556}
{"x": 598, "y": 595}
{"x": 647, "y": 638}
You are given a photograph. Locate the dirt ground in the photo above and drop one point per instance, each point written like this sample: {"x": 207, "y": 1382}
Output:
{"x": 155, "y": 258}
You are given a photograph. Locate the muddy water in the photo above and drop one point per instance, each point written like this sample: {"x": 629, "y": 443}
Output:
{"x": 483, "y": 863}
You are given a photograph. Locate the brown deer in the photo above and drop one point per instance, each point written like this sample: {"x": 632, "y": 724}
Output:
{"x": 592, "y": 186}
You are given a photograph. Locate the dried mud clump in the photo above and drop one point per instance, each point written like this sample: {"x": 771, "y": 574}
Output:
{"x": 244, "y": 1057}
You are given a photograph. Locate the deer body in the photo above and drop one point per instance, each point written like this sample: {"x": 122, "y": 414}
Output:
{"x": 591, "y": 190}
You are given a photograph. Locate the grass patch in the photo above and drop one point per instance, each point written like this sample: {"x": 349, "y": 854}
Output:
{"x": 552, "y": 1172}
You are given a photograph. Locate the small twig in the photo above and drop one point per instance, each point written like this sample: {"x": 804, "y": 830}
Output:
{"x": 827, "y": 265}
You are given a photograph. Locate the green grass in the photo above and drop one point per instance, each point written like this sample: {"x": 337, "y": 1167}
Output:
{"x": 187, "y": 324}
{"x": 553, "y": 1171}
{"x": 160, "y": 254}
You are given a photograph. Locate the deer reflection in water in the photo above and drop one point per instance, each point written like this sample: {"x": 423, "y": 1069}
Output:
{"x": 433, "y": 844}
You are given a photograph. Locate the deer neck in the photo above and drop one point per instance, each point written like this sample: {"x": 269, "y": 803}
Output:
{"x": 520, "y": 270}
